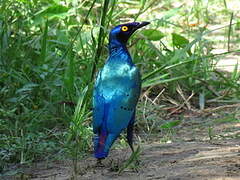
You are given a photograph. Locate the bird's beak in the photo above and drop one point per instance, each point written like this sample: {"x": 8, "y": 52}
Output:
{"x": 142, "y": 24}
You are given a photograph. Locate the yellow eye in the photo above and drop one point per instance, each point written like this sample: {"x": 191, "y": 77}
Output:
{"x": 124, "y": 28}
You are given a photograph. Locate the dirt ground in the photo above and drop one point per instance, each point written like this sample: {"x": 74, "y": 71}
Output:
{"x": 175, "y": 161}
{"x": 188, "y": 155}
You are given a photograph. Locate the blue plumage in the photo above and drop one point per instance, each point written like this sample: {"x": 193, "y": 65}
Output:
{"x": 116, "y": 92}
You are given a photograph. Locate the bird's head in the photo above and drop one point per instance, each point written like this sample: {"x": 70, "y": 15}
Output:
{"x": 120, "y": 34}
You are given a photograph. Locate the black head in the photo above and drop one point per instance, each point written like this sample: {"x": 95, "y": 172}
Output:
{"x": 121, "y": 33}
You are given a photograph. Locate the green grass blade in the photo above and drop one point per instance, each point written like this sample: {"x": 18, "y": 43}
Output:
{"x": 100, "y": 37}
{"x": 69, "y": 76}
{"x": 44, "y": 44}
{"x": 153, "y": 83}
{"x": 133, "y": 158}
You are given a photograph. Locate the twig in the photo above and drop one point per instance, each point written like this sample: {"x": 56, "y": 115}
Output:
{"x": 158, "y": 96}
{"x": 179, "y": 90}
{"x": 181, "y": 106}
{"x": 221, "y": 107}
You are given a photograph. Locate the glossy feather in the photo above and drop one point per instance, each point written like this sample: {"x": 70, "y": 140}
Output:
{"x": 116, "y": 92}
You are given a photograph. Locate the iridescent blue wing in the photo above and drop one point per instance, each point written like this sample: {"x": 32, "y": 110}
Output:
{"x": 113, "y": 113}
{"x": 122, "y": 107}
{"x": 123, "y": 103}
{"x": 98, "y": 106}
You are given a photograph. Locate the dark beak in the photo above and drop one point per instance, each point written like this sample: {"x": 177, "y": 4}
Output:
{"x": 142, "y": 24}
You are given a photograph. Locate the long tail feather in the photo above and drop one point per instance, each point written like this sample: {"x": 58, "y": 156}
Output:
{"x": 99, "y": 140}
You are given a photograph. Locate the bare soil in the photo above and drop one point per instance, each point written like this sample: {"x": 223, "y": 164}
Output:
{"x": 190, "y": 155}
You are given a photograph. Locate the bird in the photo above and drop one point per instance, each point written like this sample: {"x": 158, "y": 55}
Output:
{"x": 116, "y": 92}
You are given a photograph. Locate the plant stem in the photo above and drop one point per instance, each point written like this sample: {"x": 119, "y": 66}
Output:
{"x": 229, "y": 31}
{"x": 100, "y": 37}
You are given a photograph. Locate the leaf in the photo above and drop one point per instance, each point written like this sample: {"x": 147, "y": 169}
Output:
{"x": 44, "y": 44}
{"x": 27, "y": 87}
{"x": 153, "y": 34}
{"x": 179, "y": 41}
{"x": 54, "y": 11}
{"x": 165, "y": 67}
{"x": 69, "y": 76}
{"x": 169, "y": 125}
{"x": 170, "y": 13}
{"x": 153, "y": 82}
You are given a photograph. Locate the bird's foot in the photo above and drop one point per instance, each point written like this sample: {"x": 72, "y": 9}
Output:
{"x": 99, "y": 163}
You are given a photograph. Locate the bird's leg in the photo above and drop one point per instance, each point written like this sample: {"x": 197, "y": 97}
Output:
{"x": 131, "y": 146}
{"x": 130, "y": 136}
{"x": 130, "y": 140}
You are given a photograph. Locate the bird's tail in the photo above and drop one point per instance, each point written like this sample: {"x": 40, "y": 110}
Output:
{"x": 100, "y": 139}
{"x": 99, "y": 144}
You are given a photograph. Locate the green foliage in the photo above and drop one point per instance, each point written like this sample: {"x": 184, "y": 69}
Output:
{"x": 79, "y": 131}
{"x": 179, "y": 41}
{"x": 133, "y": 160}
{"x": 153, "y": 34}
{"x": 50, "y": 51}
{"x": 169, "y": 125}
{"x": 210, "y": 133}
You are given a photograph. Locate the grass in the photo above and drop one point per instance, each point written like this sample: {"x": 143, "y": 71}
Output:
{"x": 51, "y": 50}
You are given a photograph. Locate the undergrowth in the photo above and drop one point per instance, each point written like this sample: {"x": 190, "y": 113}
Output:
{"x": 51, "y": 50}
